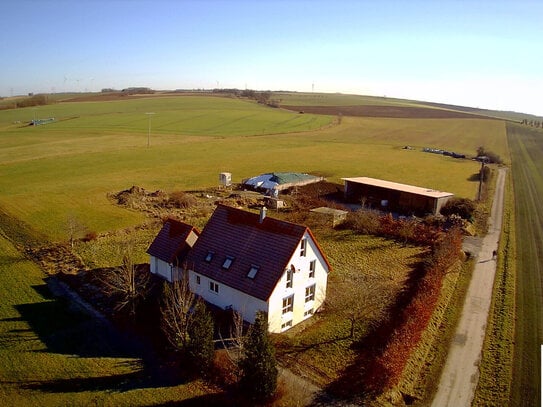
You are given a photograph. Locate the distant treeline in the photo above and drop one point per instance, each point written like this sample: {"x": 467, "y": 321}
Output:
{"x": 130, "y": 91}
{"x": 34, "y": 100}
{"x": 263, "y": 97}
{"x": 533, "y": 123}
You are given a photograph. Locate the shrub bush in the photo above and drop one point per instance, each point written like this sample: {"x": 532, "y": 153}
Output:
{"x": 490, "y": 155}
{"x": 462, "y": 207}
{"x": 90, "y": 236}
{"x": 400, "y": 334}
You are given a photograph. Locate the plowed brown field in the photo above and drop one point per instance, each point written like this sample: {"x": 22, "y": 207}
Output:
{"x": 398, "y": 112}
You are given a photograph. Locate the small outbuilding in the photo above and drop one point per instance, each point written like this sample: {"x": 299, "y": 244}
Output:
{"x": 394, "y": 197}
{"x": 333, "y": 216}
{"x": 280, "y": 181}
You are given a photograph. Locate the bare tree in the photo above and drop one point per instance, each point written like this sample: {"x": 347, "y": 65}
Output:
{"x": 362, "y": 298}
{"x": 177, "y": 303}
{"x": 234, "y": 344}
{"x": 75, "y": 229}
{"x": 125, "y": 282}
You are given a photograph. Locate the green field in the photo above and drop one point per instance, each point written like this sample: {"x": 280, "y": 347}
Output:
{"x": 527, "y": 156}
{"x": 189, "y": 115}
{"x": 67, "y": 168}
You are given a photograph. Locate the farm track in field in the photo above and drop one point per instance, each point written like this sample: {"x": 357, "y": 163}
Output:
{"x": 526, "y": 147}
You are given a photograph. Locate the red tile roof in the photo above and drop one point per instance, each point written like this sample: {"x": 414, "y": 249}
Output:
{"x": 170, "y": 245}
{"x": 239, "y": 234}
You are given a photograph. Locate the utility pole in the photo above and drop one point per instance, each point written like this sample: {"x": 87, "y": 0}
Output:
{"x": 149, "y": 114}
{"x": 481, "y": 178}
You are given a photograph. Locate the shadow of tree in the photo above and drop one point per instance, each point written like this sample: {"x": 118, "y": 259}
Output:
{"x": 143, "y": 376}
{"x": 474, "y": 177}
{"x": 67, "y": 330}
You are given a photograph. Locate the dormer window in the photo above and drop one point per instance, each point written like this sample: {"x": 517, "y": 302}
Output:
{"x": 227, "y": 262}
{"x": 303, "y": 247}
{"x": 252, "y": 271}
{"x": 209, "y": 257}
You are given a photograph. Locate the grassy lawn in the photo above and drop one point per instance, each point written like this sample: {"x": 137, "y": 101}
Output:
{"x": 52, "y": 355}
{"x": 320, "y": 348}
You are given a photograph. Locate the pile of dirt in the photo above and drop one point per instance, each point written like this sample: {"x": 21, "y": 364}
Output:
{"x": 55, "y": 258}
{"x": 138, "y": 198}
{"x": 322, "y": 190}
{"x": 183, "y": 204}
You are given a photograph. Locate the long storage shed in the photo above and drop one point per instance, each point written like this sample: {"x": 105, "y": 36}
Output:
{"x": 394, "y": 197}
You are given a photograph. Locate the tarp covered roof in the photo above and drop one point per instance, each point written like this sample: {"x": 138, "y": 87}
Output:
{"x": 274, "y": 180}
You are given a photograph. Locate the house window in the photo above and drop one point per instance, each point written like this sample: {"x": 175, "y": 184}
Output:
{"x": 209, "y": 257}
{"x": 288, "y": 304}
{"x": 310, "y": 293}
{"x": 290, "y": 275}
{"x": 197, "y": 279}
{"x": 286, "y": 325}
{"x": 252, "y": 271}
{"x": 227, "y": 262}
{"x": 303, "y": 247}
{"x": 213, "y": 286}
{"x": 308, "y": 313}
{"x": 312, "y": 266}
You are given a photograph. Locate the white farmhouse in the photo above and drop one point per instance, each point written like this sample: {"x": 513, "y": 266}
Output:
{"x": 249, "y": 262}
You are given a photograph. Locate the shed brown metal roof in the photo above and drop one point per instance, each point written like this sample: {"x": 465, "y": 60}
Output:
{"x": 170, "y": 245}
{"x": 399, "y": 187}
{"x": 240, "y": 235}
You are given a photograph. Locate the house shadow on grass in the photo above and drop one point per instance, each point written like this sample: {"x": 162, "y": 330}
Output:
{"x": 64, "y": 330}
{"x": 143, "y": 376}
{"x": 67, "y": 330}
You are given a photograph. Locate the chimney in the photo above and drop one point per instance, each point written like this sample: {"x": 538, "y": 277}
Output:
{"x": 263, "y": 211}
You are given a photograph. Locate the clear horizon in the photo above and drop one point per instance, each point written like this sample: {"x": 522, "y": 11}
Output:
{"x": 482, "y": 54}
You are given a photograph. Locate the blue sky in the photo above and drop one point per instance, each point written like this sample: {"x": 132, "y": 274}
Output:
{"x": 476, "y": 53}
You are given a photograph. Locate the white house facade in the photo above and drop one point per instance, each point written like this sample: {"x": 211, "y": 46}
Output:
{"x": 249, "y": 263}
{"x": 301, "y": 291}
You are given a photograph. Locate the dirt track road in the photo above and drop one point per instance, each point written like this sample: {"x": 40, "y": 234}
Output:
{"x": 461, "y": 371}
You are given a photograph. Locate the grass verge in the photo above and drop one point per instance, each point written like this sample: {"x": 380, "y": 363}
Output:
{"x": 496, "y": 366}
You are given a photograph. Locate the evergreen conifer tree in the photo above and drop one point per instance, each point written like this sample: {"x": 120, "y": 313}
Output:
{"x": 200, "y": 349}
{"x": 258, "y": 364}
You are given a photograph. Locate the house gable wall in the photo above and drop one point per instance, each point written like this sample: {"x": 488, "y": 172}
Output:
{"x": 301, "y": 280}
